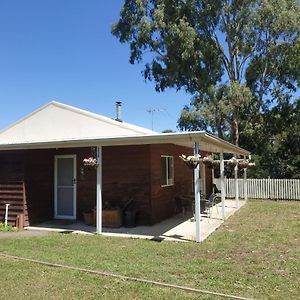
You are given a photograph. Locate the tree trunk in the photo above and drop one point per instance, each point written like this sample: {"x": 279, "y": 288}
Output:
{"x": 220, "y": 132}
{"x": 235, "y": 131}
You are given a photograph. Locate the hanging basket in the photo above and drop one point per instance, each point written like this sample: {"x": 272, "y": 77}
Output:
{"x": 191, "y": 161}
{"x": 90, "y": 162}
{"x": 232, "y": 162}
{"x": 208, "y": 162}
{"x": 251, "y": 165}
{"x": 243, "y": 164}
{"x": 216, "y": 164}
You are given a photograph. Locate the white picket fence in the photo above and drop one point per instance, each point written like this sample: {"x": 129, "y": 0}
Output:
{"x": 281, "y": 189}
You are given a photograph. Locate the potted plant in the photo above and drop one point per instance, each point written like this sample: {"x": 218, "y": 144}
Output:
{"x": 88, "y": 217}
{"x": 90, "y": 162}
{"x": 191, "y": 161}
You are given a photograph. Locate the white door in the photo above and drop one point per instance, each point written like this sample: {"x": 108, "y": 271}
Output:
{"x": 65, "y": 187}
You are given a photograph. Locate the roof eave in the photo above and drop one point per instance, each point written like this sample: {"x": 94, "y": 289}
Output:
{"x": 184, "y": 138}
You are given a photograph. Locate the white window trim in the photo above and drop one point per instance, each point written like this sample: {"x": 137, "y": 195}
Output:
{"x": 167, "y": 170}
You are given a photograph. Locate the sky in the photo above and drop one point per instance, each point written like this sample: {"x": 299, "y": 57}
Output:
{"x": 63, "y": 50}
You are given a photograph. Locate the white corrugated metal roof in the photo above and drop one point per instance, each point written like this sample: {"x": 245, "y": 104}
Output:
{"x": 57, "y": 125}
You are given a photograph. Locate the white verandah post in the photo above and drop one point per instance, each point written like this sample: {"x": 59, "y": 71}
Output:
{"x": 197, "y": 195}
{"x": 236, "y": 185}
{"x": 213, "y": 173}
{"x": 222, "y": 179}
{"x": 99, "y": 191}
{"x": 245, "y": 184}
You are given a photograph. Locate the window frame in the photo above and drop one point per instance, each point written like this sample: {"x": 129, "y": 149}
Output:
{"x": 169, "y": 181}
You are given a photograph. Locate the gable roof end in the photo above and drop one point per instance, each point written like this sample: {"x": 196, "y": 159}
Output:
{"x": 56, "y": 121}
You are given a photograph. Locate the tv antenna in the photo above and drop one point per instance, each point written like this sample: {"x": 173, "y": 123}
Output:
{"x": 152, "y": 111}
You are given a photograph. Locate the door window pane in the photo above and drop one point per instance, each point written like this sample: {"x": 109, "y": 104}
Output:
{"x": 65, "y": 172}
{"x": 65, "y": 201}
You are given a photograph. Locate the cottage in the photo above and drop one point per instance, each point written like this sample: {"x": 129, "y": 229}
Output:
{"x": 61, "y": 161}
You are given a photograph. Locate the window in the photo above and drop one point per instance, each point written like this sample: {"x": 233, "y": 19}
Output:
{"x": 167, "y": 170}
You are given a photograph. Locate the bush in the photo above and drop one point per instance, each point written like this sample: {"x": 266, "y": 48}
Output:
{"x": 7, "y": 228}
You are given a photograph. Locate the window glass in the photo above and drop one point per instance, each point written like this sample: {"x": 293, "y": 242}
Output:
{"x": 167, "y": 170}
{"x": 163, "y": 171}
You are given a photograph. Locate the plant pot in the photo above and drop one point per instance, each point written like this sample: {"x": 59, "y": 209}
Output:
{"x": 112, "y": 217}
{"x": 243, "y": 164}
{"x": 88, "y": 218}
{"x": 130, "y": 218}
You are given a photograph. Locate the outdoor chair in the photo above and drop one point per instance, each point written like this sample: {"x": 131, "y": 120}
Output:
{"x": 183, "y": 203}
{"x": 215, "y": 189}
{"x": 209, "y": 204}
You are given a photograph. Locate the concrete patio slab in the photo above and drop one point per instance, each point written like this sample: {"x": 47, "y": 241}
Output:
{"x": 177, "y": 228}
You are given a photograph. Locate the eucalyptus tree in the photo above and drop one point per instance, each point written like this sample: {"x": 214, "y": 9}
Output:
{"x": 228, "y": 54}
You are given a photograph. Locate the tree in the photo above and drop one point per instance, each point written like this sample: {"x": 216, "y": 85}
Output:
{"x": 208, "y": 47}
{"x": 277, "y": 141}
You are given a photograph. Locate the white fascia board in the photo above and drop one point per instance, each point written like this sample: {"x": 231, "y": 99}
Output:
{"x": 207, "y": 142}
{"x": 226, "y": 146}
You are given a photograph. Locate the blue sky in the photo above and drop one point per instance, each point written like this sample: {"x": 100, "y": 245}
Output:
{"x": 63, "y": 50}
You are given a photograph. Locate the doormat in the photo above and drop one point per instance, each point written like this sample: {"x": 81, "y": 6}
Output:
{"x": 62, "y": 222}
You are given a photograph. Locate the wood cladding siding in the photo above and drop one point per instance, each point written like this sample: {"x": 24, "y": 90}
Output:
{"x": 13, "y": 193}
{"x": 12, "y": 187}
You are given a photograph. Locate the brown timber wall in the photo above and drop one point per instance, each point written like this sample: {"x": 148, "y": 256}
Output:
{"x": 13, "y": 193}
{"x": 12, "y": 186}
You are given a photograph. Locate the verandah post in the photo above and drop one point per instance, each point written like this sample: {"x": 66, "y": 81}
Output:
{"x": 236, "y": 185}
{"x": 99, "y": 191}
{"x": 222, "y": 184}
{"x": 245, "y": 183}
{"x": 197, "y": 195}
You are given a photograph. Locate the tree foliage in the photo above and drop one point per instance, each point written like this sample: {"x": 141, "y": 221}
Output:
{"x": 237, "y": 58}
{"x": 276, "y": 141}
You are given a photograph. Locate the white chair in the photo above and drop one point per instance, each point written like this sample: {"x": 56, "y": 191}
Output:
{"x": 210, "y": 203}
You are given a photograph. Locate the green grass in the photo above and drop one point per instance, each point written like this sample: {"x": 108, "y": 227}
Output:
{"x": 254, "y": 254}
{"x": 7, "y": 228}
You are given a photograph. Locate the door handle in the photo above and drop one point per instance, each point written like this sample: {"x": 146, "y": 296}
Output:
{"x": 74, "y": 181}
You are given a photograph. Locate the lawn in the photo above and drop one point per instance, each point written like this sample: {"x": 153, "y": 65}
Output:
{"x": 254, "y": 254}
